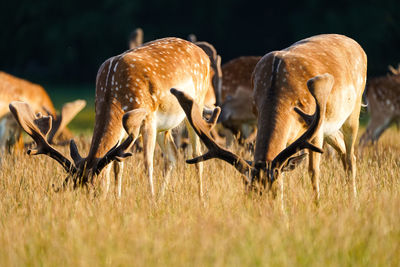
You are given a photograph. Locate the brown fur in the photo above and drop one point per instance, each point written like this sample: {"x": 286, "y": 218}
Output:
{"x": 383, "y": 105}
{"x": 280, "y": 80}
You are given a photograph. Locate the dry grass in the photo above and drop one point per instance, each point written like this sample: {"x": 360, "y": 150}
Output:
{"x": 231, "y": 228}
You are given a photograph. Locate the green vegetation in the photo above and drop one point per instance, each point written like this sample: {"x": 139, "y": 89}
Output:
{"x": 60, "y": 94}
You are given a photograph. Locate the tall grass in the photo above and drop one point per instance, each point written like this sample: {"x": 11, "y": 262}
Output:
{"x": 229, "y": 228}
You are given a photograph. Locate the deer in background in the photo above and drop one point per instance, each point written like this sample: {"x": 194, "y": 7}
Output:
{"x": 383, "y": 105}
{"x": 237, "y": 104}
{"x": 132, "y": 97}
{"x": 12, "y": 89}
{"x": 135, "y": 38}
{"x": 323, "y": 75}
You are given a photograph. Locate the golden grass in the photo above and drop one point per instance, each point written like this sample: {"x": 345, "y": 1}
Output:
{"x": 230, "y": 228}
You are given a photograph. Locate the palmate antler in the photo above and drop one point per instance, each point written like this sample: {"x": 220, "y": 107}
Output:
{"x": 38, "y": 127}
{"x": 203, "y": 128}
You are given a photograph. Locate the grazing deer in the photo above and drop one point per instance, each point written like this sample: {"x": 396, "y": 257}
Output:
{"x": 132, "y": 93}
{"x": 237, "y": 110}
{"x": 325, "y": 74}
{"x": 12, "y": 89}
{"x": 383, "y": 105}
{"x": 135, "y": 38}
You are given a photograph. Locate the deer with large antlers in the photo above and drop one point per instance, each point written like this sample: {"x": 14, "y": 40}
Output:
{"x": 16, "y": 89}
{"x": 323, "y": 75}
{"x": 132, "y": 96}
{"x": 383, "y": 105}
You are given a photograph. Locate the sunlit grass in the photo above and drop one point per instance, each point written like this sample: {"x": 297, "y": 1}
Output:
{"x": 229, "y": 228}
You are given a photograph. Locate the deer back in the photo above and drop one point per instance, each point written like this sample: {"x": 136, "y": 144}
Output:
{"x": 280, "y": 84}
{"x": 141, "y": 79}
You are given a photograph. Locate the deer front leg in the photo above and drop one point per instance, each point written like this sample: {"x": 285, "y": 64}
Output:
{"x": 149, "y": 134}
{"x": 313, "y": 166}
{"x": 118, "y": 169}
{"x": 196, "y": 151}
{"x": 166, "y": 142}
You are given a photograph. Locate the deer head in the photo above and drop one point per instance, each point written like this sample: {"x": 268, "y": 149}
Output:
{"x": 39, "y": 127}
{"x": 319, "y": 87}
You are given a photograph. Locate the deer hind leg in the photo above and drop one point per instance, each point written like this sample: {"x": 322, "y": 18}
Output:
{"x": 149, "y": 133}
{"x": 166, "y": 142}
{"x": 313, "y": 166}
{"x": 336, "y": 140}
{"x": 196, "y": 151}
{"x": 350, "y": 130}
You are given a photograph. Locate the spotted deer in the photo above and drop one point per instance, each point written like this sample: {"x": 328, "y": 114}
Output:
{"x": 237, "y": 104}
{"x": 132, "y": 97}
{"x": 323, "y": 75}
{"x": 383, "y": 100}
{"x": 12, "y": 89}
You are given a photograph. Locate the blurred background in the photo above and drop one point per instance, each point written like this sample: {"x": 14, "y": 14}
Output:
{"x": 61, "y": 44}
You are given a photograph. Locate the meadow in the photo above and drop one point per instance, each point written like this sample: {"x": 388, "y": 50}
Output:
{"x": 228, "y": 228}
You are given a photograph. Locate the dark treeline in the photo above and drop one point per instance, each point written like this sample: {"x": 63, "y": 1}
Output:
{"x": 66, "y": 41}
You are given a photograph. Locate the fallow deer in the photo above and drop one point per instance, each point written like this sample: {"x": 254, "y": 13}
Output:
{"x": 325, "y": 74}
{"x": 132, "y": 93}
{"x": 16, "y": 89}
{"x": 383, "y": 105}
{"x": 237, "y": 104}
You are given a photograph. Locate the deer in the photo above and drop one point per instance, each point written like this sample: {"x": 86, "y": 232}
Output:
{"x": 13, "y": 88}
{"x": 382, "y": 96}
{"x": 237, "y": 110}
{"x": 132, "y": 99}
{"x": 324, "y": 76}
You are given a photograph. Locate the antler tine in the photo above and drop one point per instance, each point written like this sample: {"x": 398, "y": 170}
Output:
{"x": 202, "y": 128}
{"x": 38, "y": 128}
{"x": 320, "y": 87}
{"x": 115, "y": 153}
{"x": 306, "y": 117}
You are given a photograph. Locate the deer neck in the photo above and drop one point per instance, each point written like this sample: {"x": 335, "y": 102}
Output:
{"x": 278, "y": 124}
{"x": 273, "y": 133}
{"x": 108, "y": 131}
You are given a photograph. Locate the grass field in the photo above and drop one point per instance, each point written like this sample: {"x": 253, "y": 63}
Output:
{"x": 229, "y": 228}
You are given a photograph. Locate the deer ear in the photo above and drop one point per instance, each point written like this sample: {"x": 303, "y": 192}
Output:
{"x": 293, "y": 162}
{"x": 132, "y": 120}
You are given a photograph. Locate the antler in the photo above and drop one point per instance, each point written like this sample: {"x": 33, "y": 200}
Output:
{"x": 38, "y": 127}
{"x": 203, "y": 128}
{"x": 116, "y": 153}
{"x": 320, "y": 88}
